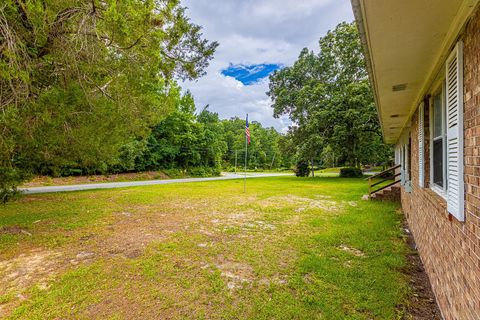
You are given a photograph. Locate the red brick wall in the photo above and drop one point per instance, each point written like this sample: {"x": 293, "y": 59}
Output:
{"x": 450, "y": 250}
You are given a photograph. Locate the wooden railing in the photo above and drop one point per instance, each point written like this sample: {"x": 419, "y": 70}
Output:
{"x": 384, "y": 176}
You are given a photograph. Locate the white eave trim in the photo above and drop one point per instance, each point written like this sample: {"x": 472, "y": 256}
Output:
{"x": 456, "y": 28}
{"x": 359, "y": 14}
{"x": 465, "y": 11}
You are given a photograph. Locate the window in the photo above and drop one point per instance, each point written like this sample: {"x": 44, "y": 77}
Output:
{"x": 446, "y": 129}
{"x": 421, "y": 145}
{"x": 409, "y": 169}
{"x": 438, "y": 140}
{"x": 404, "y": 146}
{"x": 397, "y": 155}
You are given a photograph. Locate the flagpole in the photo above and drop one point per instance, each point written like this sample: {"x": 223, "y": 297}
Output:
{"x": 246, "y": 151}
{"x": 235, "y": 161}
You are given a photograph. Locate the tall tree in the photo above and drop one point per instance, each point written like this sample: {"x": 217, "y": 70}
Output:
{"x": 328, "y": 97}
{"x": 213, "y": 143}
{"x": 263, "y": 151}
{"x": 81, "y": 78}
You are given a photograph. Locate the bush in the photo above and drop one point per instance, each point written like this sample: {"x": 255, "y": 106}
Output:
{"x": 10, "y": 178}
{"x": 173, "y": 173}
{"x": 198, "y": 172}
{"x": 67, "y": 172}
{"x": 215, "y": 171}
{"x": 351, "y": 172}
{"x": 302, "y": 169}
{"x": 204, "y": 172}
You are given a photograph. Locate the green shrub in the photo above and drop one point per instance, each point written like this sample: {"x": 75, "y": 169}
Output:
{"x": 215, "y": 171}
{"x": 173, "y": 173}
{"x": 204, "y": 172}
{"x": 67, "y": 172}
{"x": 198, "y": 172}
{"x": 351, "y": 172}
{"x": 10, "y": 178}
{"x": 302, "y": 169}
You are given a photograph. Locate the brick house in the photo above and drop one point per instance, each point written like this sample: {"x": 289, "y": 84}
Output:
{"x": 423, "y": 58}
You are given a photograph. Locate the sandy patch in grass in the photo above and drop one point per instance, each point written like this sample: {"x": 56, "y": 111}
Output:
{"x": 23, "y": 271}
{"x": 126, "y": 235}
{"x": 239, "y": 275}
{"x": 132, "y": 230}
{"x": 275, "y": 280}
{"x": 14, "y": 230}
{"x": 301, "y": 203}
{"x": 26, "y": 268}
{"x": 236, "y": 274}
{"x": 355, "y": 252}
{"x": 352, "y": 203}
{"x": 247, "y": 220}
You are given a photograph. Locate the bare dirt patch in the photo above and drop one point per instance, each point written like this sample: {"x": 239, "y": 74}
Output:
{"x": 237, "y": 274}
{"x": 14, "y": 230}
{"x": 126, "y": 235}
{"x": 422, "y": 304}
{"x": 301, "y": 203}
{"x": 27, "y": 269}
{"x": 242, "y": 221}
{"x": 131, "y": 231}
{"x": 355, "y": 252}
{"x": 275, "y": 280}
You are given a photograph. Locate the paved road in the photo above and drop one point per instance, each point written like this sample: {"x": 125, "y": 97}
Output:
{"x": 111, "y": 185}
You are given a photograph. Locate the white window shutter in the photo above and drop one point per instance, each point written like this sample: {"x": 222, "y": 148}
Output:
{"x": 402, "y": 165}
{"x": 454, "y": 98}
{"x": 421, "y": 146}
{"x": 399, "y": 152}
{"x": 397, "y": 155}
{"x": 407, "y": 161}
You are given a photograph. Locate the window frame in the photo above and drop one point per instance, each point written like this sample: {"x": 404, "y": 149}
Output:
{"x": 421, "y": 144}
{"x": 404, "y": 145}
{"x": 439, "y": 89}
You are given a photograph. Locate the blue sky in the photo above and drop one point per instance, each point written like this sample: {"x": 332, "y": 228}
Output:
{"x": 250, "y": 74}
{"x": 256, "y": 37}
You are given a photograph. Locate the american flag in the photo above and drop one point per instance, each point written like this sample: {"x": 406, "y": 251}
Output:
{"x": 247, "y": 130}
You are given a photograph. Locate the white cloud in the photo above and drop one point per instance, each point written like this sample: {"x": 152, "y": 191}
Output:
{"x": 256, "y": 32}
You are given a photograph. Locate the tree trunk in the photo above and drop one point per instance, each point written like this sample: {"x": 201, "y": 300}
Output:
{"x": 313, "y": 170}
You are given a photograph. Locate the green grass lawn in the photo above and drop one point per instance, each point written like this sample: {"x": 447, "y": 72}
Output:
{"x": 290, "y": 248}
{"x": 328, "y": 172}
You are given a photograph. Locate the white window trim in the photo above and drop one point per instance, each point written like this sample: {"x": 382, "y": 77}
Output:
{"x": 442, "y": 191}
{"x": 421, "y": 145}
{"x": 407, "y": 161}
{"x": 400, "y": 161}
{"x": 397, "y": 155}
{"x": 404, "y": 161}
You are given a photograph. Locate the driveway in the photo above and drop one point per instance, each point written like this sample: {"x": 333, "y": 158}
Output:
{"x": 111, "y": 185}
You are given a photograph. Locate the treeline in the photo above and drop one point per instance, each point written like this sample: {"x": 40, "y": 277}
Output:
{"x": 185, "y": 142}
{"x": 328, "y": 97}
{"x": 91, "y": 87}
{"x": 80, "y": 80}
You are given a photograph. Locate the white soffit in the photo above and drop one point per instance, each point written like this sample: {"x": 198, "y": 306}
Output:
{"x": 407, "y": 42}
